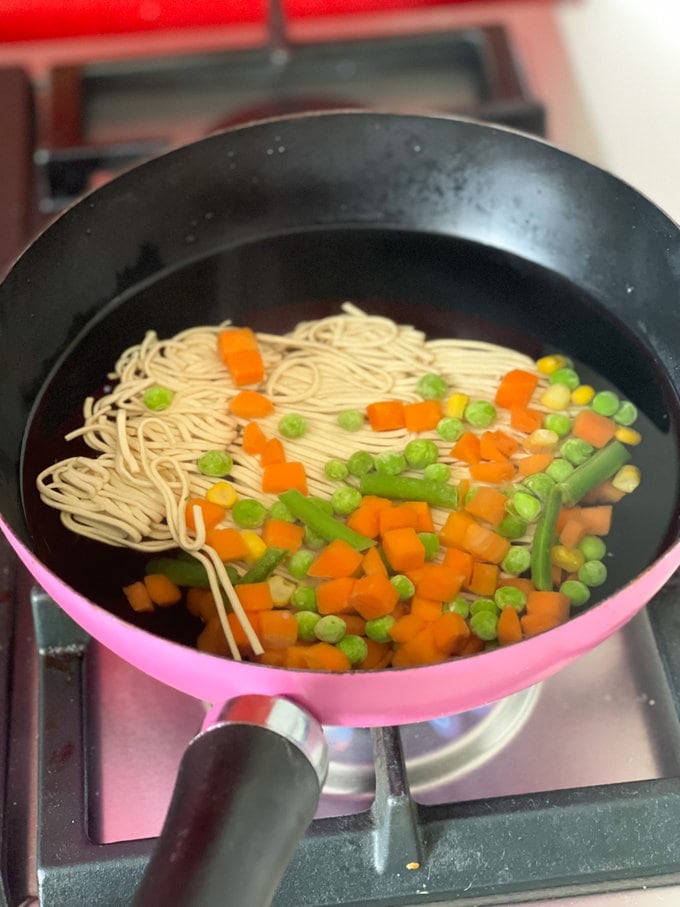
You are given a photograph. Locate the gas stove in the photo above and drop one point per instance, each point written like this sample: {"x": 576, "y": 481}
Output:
{"x": 567, "y": 790}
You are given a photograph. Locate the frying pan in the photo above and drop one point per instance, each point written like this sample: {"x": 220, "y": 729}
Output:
{"x": 460, "y": 228}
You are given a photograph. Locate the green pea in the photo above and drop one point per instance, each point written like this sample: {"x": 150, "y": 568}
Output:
{"x": 576, "y": 451}
{"x": 560, "y": 469}
{"x": 345, "y": 500}
{"x": 449, "y": 428}
{"x": 304, "y": 599}
{"x": 421, "y": 453}
{"x": 354, "y": 647}
{"x": 430, "y": 542}
{"x": 404, "y": 586}
{"x": 431, "y": 387}
{"x": 483, "y": 604}
{"x": 626, "y": 414}
{"x": 299, "y": 563}
{"x": 559, "y": 423}
{"x": 390, "y": 462}
{"x": 360, "y": 463}
{"x": 566, "y": 376}
{"x": 313, "y": 539}
{"x": 215, "y": 463}
{"x": 592, "y": 547}
{"x": 512, "y": 526}
{"x": 350, "y": 419}
{"x": 606, "y": 403}
{"x": 293, "y": 425}
{"x": 437, "y": 472}
{"x": 484, "y": 624}
{"x": 157, "y": 397}
{"x": 335, "y": 470}
{"x": 330, "y": 628}
{"x": 539, "y": 484}
{"x": 593, "y": 573}
{"x": 459, "y": 605}
{"x": 526, "y": 506}
{"x": 248, "y": 514}
{"x": 509, "y": 595}
{"x": 577, "y": 592}
{"x": 480, "y": 413}
{"x": 517, "y": 560}
{"x": 379, "y": 628}
{"x": 279, "y": 511}
{"x": 307, "y": 621}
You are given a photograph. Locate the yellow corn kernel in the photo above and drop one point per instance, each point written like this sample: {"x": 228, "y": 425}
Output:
{"x": 567, "y": 558}
{"x": 628, "y": 435}
{"x": 627, "y": 479}
{"x": 549, "y": 364}
{"x": 222, "y": 493}
{"x": 455, "y": 405}
{"x": 582, "y": 395}
{"x": 543, "y": 440}
{"x": 255, "y": 544}
{"x": 281, "y": 590}
{"x": 556, "y": 397}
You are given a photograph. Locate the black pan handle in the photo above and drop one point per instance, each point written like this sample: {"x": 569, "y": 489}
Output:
{"x": 247, "y": 788}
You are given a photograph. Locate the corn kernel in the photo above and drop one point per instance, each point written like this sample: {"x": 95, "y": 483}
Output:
{"x": 567, "y": 558}
{"x": 255, "y": 544}
{"x": 455, "y": 405}
{"x": 627, "y": 479}
{"x": 583, "y": 394}
{"x": 557, "y": 396}
{"x": 543, "y": 440}
{"x": 281, "y": 590}
{"x": 222, "y": 493}
{"x": 549, "y": 364}
{"x": 628, "y": 436}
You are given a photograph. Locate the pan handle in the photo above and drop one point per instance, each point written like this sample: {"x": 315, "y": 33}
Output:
{"x": 247, "y": 788}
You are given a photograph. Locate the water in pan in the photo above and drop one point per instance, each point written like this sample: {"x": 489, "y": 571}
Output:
{"x": 445, "y": 287}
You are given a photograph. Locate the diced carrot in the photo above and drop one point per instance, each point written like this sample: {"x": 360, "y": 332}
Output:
{"x": 509, "y": 627}
{"x": 425, "y": 608}
{"x": 295, "y": 657}
{"x": 450, "y": 632}
{"x": 487, "y": 504}
{"x": 278, "y": 629}
{"x": 138, "y": 597}
{"x": 386, "y": 415}
{"x": 200, "y": 603}
{"x": 212, "y": 639}
{"x": 251, "y": 405}
{"x": 376, "y": 652}
{"x": 593, "y": 428}
{"x": 212, "y": 513}
{"x": 272, "y": 452}
{"x": 572, "y": 532}
{"x": 333, "y": 595}
{"x": 356, "y": 626}
{"x": 556, "y": 576}
{"x": 533, "y": 463}
{"x": 403, "y": 549}
{"x": 553, "y": 604}
{"x": 422, "y": 416}
{"x": 597, "y": 520}
{"x": 420, "y": 650}
{"x": 366, "y": 518}
{"x": 406, "y": 627}
{"x": 472, "y": 646}
{"x": 439, "y": 583}
{"x": 373, "y": 596}
{"x": 604, "y": 493}
{"x": 397, "y": 517}
{"x": 492, "y": 471}
{"x": 238, "y": 632}
{"x": 452, "y": 533}
{"x": 463, "y": 488}
{"x": 230, "y": 340}
{"x": 567, "y": 513}
{"x": 516, "y": 388}
{"x": 505, "y": 443}
{"x": 162, "y": 591}
{"x": 282, "y": 534}
{"x": 467, "y": 448}
{"x": 335, "y": 560}
{"x": 484, "y": 579}
{"x": 228, "y": 543}
{"x": 425, "y": 522}
{"x": 460, "y": 563}
{"x": 279, "y": 477}
{"x": 275, "y": 658}
{"x": 522, "y": 418}
{"x": 324, "y": 657}
{"x": 372, "y": 562}
{"x": 484, "y": 544}
{"x": 532, "y": 624}
{"x": 518, "y": 582}
{"x": 255, "y": 596}
{"x": 245, "y": 367}
{"x": 254, "y": 439}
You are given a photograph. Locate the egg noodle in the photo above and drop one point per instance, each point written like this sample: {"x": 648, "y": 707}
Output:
{"x": 133, "y": 493}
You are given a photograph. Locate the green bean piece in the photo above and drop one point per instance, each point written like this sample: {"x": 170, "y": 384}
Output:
{"x": 512, "y": 526}
{"x": 541, "y": 565}
{"x": 603, "y": 464}
{"x": 345, "y": 500}
{"x": 539, "y": 484}
{"x": 593, "y": 573}
{"x": 459, "y": 605}
{"x": 279, "y": 511}
{"x": 248, "y": 513}
{"x": 484, "y": 624}
{"x": 559, "y": 423}
{"x": 215, "y": 463}
{"x": 323, "y": 504}
{"x": 576, "y": 591}
{"x": 304, "y": 599}
{"x": 566, "y": 376}
{"x": 265, "y": 565}
{"x": 449, "y": 428}
{"x": 407, "y": 488}
{"x": 626, "y": 414}
{"x": 181, "y": 572}
{"x": 360, "y": 463}
{"x": 354, "y": 647}
{"x": 233, "y": 574}
{"x": 299, "y": 563}
{"x": 560, "y": 469}
{"x": 157, "y": 398}
{"x": 293, "y": 425}
{"x": 379, "y": 628}
{"x": 437, "y": 472}
{"x": 526, "y": 506}
{"x": 576, "y": 451}
{"x": 350, "y": 419}
{"x": 307, "y": 621}
{"x": 420, "y": 453}
{"x": 430, "y": 542}
{"x": 480, "y": 413}
{"x": 517, "y": 560}
{"x": 330, "y": 628}
{"x": 390, "y": 462}
{"x": 309, "y": 513}
{"x": 404, "y": 586}
{"x": 335, "y": 470}
{"x": 483, "y": 604}
{"x": 509, "y": 595}
{"x": 431, "y": 387}
{"x": 606, "y": 403}
{"x": 592, "y": 547}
